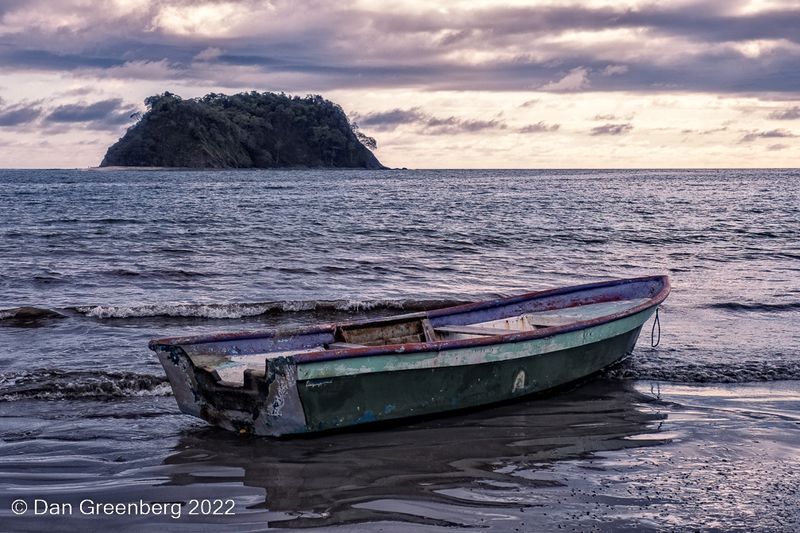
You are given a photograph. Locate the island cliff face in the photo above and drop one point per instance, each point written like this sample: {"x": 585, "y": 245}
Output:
{"x": 247, "y": 130}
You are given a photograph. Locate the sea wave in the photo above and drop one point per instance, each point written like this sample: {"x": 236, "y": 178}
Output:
{"x": 242, "y": 310}
{"x": 35, "y": 315}
{"x": 51, "y": 384}
{"x": 739, "y": 372}
{"x": 28, "y": 315}
{"x": 757, "y": 306}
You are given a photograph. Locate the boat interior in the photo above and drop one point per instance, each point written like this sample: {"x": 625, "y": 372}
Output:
{"x": 416, "y": 329}
{"x": 228, "y": 361}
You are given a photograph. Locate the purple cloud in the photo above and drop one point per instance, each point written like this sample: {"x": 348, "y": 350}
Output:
{"x": 427, "y": 123}
{"x": 326, "y": 46}
{"x": 612, "y": 129}
{"x": 770, "y": 134}
{"x": 790, "y": 113}
{"x": 392, "y": 118}
{"x": 105, "y": 114}
{"x": 102, "y": 115}
{"x": 20, "y": 114}
{"x": 539, "y": 127}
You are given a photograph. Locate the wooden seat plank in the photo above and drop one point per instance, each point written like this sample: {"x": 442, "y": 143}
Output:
{"x": 428, "y": 331}
{"x": 475, "y": 330}
{"x": 344, "y": 345}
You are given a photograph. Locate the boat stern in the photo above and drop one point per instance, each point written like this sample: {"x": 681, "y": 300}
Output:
{"x": 180, "y": 373}
{"x": 266, "y": 403}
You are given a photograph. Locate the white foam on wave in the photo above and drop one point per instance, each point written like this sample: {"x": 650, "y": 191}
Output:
{"x": 176, "y": 310}
{"x": 162, "y": 390}
{"x": 54, "y": 384}
{"x": 242, "y": 310}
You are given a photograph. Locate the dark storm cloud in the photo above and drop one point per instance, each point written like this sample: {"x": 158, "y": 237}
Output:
{"x": 703, "y": 21}
{"x": 7, "y": 6}
{"x": 769, "y": 134}
{"x": 112, "y": 112}
{"x": 392, "y": 118}
{"x": 19, "y": 114}
{"x": 335, "y": 72}
{"x": 718, "y": 27}
{"x": 46, "y": 60}
{"x": 323, "y": 46}
{"x": 103, "y": 115}
{"x": 425, "y": 122}
{"x": 703, "y": 72}
{"x": 612, "y": 129}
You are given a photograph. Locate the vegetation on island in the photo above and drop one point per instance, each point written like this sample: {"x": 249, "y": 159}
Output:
{"x": 246, "y": 130}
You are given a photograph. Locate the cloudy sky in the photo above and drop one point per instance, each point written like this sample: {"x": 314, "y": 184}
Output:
{"x": 462, "y": 83}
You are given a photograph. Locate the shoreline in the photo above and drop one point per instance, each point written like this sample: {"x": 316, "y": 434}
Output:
{"x": 228, "y": 169}
{"x": 605, "y": 456}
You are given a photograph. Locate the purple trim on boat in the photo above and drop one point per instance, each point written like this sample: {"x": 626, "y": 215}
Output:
{"x": 241, "y": 335}
{"x": 327, "y": 355}
{"x": 395, "y": 349}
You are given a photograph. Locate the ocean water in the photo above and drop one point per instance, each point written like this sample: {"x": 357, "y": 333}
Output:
{"x": 95, "y": 263}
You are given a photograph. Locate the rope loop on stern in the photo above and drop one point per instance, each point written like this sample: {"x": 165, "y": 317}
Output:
{"x": 656, "y": 322}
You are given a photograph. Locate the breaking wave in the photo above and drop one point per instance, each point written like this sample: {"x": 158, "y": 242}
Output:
{"x": 54, "y": 384}
{"x": 225, "y": 310}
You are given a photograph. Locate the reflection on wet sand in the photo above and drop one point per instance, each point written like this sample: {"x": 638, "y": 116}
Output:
{"x": 353, "y": 477}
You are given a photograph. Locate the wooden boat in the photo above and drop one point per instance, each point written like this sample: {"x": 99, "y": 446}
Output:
{"x": 337, "y": 375}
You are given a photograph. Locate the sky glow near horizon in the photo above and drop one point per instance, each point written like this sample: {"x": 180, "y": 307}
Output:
{"x": 457, "y": 84}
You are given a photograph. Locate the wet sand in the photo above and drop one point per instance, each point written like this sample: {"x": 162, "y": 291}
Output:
{"x": 606, "y": 456}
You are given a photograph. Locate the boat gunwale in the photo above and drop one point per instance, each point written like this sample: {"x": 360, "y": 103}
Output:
{"x": 417, "y": 347}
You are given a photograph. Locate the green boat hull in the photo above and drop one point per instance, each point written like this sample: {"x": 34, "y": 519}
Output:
{"x": 330, "y": 403}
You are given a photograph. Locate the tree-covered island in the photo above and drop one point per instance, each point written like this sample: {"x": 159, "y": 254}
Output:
{"x": 246, "y": 130}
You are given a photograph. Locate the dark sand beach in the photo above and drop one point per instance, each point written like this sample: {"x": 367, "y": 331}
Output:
{"x": 606, "y": 456}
